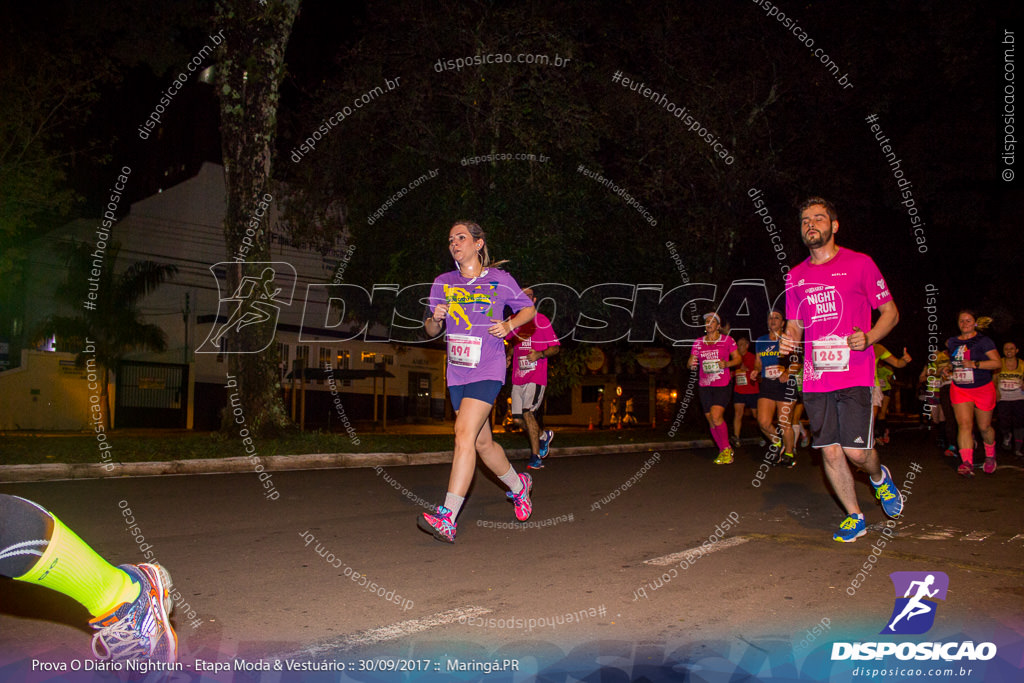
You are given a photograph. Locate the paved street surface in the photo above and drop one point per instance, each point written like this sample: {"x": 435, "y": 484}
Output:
{"x": 579, "y": 588}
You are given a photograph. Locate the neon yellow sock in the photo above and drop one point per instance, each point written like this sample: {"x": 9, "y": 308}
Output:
{"x": 71, "y": 567}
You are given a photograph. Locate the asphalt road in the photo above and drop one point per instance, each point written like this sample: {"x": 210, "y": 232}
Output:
{"x": 271, "y": 579}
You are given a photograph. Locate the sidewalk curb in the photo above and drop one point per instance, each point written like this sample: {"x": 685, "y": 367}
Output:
{"x": 283, "y": 463}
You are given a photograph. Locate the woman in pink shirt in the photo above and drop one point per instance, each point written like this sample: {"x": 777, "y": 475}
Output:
{"x": 713, "y": 356}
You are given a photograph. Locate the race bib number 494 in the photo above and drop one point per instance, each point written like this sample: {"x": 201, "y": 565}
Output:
{"x": 464, "y": 350}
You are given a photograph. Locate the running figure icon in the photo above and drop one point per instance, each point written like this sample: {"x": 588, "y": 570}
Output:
{"x": 254, "y": 306}
{"x": 916, "y": 601}
{"x": 253, "y": 300}
{"x": 915, "y": 606}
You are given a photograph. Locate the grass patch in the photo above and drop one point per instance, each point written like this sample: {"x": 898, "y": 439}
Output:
{"x": 34, "y": 449}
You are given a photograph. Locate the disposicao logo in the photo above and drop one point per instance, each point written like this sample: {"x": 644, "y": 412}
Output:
{"x": 913, "y": 613}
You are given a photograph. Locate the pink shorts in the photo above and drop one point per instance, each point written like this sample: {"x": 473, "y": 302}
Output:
{"x": 983, "y": 397}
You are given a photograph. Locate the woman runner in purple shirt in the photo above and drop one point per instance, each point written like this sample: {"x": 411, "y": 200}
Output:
{"x": 468, "y": 303}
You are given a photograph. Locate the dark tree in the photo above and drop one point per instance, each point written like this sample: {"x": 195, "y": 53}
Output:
{"x": 249, "y": 75}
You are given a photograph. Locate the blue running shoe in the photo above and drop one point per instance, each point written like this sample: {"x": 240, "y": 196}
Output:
{"x": 546, "y": 437}
{"x": 438, "y": 523}
{"x": 851, "y": 529}
{"x": 889, "y": 495}
{"x": 140, "y": 629}
{"x": 535, "y": 463}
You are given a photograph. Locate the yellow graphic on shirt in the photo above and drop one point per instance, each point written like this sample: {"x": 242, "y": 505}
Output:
{"x": 457, "y": 296}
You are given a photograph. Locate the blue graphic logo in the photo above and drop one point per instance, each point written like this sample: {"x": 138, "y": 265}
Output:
{"x": 916, "y": 595}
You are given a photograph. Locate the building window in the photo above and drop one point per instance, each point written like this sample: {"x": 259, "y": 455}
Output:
{"x": 282, "y": 352}
{"x": 302, "y": 356}
{"x": 325, "y": 361}
{"x": 343, "y": 363}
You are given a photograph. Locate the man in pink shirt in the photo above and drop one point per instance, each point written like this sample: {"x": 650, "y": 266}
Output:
{"x": 829, "y": 299}
{"x": 530, "y": 346}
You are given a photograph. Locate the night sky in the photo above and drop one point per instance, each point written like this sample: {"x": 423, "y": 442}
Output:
{"x": 934, "y": 74}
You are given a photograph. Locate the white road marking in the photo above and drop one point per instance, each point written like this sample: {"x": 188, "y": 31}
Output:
{"x": 928, "y": 532}
{"x": 382, "y": 634}
{"x": 699, "y": 551}
{"x": 933, "y": 532}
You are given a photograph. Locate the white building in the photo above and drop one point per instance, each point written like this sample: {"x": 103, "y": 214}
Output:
{"x": 183, "y": 226}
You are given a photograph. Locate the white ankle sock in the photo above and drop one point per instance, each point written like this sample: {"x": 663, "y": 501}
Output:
{"x": 454, "y": 503}
{"x": 512, "y": 480}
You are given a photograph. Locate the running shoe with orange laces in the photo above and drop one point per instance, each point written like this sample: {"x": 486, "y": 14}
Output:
{"x": 140, "y": 629}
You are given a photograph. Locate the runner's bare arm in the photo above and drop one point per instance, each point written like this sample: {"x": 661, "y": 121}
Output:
{"x": 992, "y": 357}
{"x": 502, "y": 328}
{"x": 434, "y": 322}
{"x": 543, "y": 353}
{"x": 789, "y": 341}
{"x": 900, "y": 362}
{"x": 889, "y": 316}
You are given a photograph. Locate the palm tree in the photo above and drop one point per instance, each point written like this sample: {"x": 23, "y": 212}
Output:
{"x": 111, "y": 322}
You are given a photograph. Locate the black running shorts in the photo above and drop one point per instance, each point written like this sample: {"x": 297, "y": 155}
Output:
{"x": 842, "y": 417}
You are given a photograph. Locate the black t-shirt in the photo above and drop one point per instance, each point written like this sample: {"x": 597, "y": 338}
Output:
{"x": 976, "y": 348}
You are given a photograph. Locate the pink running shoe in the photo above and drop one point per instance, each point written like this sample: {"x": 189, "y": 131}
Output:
{"x": 524, "y": 506}
{"x": 438, "y": 523}
{"x": 990, "y": 465}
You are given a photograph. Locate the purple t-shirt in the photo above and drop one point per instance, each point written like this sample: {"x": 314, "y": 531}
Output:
{"x": 720, "y": 350}
{"x": 474, "y": 304}
{"x": 535, "y": 335}
{"x": 829, "y": 300}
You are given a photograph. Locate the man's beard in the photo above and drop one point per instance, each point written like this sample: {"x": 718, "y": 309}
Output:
{"x": 820, "y": 240}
